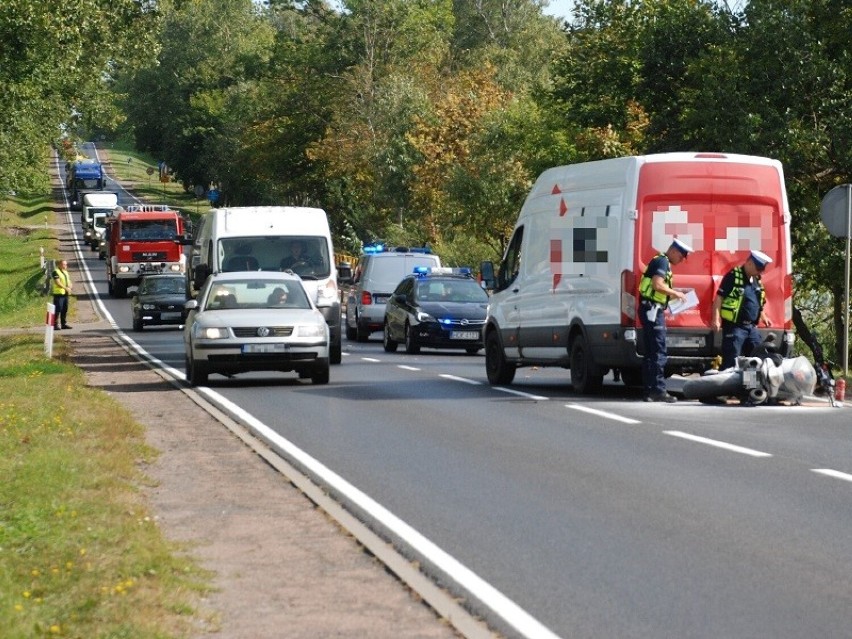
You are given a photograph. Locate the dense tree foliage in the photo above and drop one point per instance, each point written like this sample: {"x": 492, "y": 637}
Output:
{"x": 427, "y": 120}
{"x": 57, "y": 62}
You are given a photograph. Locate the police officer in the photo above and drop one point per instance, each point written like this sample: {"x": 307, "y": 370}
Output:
{"x": 738, "y": 308}
{"x": 655, "y": 291}
{"x": 61, "y": 289}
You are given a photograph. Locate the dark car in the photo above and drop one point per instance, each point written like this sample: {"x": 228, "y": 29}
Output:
{"x": 436, "y": 308}
{"x": 159, "y": 300}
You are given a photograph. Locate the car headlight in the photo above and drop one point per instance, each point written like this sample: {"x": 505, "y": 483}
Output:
{"x": 424, "y": 317}
{"x": 148, "y": 307}
{"x": 210, "y": 332}
{"x": 310, "y": 330}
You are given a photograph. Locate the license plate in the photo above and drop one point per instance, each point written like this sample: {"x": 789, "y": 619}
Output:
{"x": 266, "y": 348}
{"x": 464, "y": 335}
{"x": 169, "y": 316}
{"x": 680, "y": 341}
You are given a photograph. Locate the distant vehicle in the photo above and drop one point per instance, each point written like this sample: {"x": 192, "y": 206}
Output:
{"x": 94, "y": 203}
{"x": 98, "y": 241}
{"x": 159, "y": 300}
{"x": 143, "y": 239}
{"x": 252, "y": 238}
{"x": 255, "y": 321}
{"x": 436, "y": 308}
{"x": 82, "y": 176}
{"x": 378, "y": 273}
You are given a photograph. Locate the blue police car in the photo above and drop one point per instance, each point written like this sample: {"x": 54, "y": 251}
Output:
{"x": 436, "y": 308}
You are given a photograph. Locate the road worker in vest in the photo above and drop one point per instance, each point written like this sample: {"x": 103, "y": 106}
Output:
{"x": 61, "y": 289}
{"x": 738, "y": 308}
{"x": 655, "y": 291}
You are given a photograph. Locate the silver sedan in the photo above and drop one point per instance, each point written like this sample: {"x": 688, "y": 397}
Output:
{"x": 255, "y": 321}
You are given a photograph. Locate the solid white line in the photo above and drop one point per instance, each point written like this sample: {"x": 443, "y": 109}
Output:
{"x": 833, "y": 473}
{"x": 454, "y": 378}
{"x": 504, "y": 607}
{"x": 717, "y": 444}
{"x": 408, "y": 368}
{"x": 601, "y": 413}
{"x": 512, "y": 391}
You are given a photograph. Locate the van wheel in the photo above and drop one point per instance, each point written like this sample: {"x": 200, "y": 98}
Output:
{"x": 335, "y": 355}
{"x": 351, "y": 333}
{"x": 411, "y": 345}
{"x": 387, "y": 342}
{"x": 499, "y": 371}
{"x": 585, "y": 376}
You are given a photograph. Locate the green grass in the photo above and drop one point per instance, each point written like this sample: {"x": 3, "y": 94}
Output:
{"x": 80, "y": 555}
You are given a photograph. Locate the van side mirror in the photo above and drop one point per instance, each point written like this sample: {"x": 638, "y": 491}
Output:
{"x": 199, "y": 274}
{"x": 486, "y": 270}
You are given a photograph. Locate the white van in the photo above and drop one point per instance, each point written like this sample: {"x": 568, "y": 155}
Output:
{"x": 568, "y": 286}
{"x": 379, "y": 271}
{"x": 97, "y": 202}
{"x": 264, "y": 238}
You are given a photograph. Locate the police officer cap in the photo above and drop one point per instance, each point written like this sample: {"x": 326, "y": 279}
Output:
{"x": 760, "y": 259}
{"x": 682, "y": 246}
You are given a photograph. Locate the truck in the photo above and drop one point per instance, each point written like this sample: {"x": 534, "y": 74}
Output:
{"x": 566, "y": 292}
{"x": 83, "y": 176}
{"x": 93, "y": 203}
{"x": 143, "y": 239}
{"x": 263, "y": 238}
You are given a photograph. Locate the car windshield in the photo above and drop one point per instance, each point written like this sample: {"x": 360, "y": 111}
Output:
{"x": 162, "y": 286}
{"x": 451, "y": 291}
{"x": 257, "y": 294}
{"x": 307, "y": 256}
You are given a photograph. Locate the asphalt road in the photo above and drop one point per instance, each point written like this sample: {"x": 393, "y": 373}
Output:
{"x": 572, "y": 516}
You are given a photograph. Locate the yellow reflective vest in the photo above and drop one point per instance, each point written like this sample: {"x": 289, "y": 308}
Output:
{"x": 63, "y": 277}
{"x": 646, "y": 286}
{"x": 731, "y": 303}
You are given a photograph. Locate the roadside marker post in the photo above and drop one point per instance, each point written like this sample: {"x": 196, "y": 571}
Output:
{"x": 49, "y": 319}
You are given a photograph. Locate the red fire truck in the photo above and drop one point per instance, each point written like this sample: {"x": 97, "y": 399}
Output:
{"x": 142, "y": 239}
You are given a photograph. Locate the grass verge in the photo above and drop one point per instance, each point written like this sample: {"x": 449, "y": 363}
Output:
{"x": 80, "y": 555}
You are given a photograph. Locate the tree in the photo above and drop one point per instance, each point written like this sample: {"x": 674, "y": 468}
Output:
{"x": 56, "y": 63}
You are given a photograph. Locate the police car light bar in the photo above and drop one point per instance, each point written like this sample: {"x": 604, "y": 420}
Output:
{"x": 381, "y": 248}
{"x": 442, "y": 270}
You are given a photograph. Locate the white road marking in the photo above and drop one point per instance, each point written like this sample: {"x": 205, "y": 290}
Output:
{"x": 408, "y": 368}
{"x": 833, "y": 473}
{"x": 370, "y": 359}
{"x": 602, "y": 413}
{"x": 512, "y": 391}
{"x": 527, "y": 625}
{"x": 454, "y": 378}
{"x": 717, "y": 443}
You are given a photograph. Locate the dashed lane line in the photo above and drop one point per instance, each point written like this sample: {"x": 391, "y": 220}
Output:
{"x": 718, "y": 444}
{"x": 833, "y": 473}
{"x": 602, "y": 413}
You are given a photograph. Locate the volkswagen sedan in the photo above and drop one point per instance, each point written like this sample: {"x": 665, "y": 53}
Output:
{"x": 255, "y": 321}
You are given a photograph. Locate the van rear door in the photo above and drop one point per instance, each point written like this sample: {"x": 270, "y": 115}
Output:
{"x": 724, "y": 207}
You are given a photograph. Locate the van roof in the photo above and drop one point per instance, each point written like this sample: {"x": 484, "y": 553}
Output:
{"x": 243, "y": 221}
{"x": 100, "y": 198}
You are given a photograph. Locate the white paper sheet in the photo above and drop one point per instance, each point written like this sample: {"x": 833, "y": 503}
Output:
{"x": 679, "y": 306}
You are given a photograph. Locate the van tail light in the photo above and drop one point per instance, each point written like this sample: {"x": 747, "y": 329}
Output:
{"x": 366, "y": 298}
{"x": 628, "y": 298}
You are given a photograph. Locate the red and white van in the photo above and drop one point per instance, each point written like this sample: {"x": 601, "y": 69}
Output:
{"x": 566, "y": 292}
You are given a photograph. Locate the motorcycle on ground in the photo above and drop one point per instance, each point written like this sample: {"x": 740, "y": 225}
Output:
{"x": 764, "y": 377}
